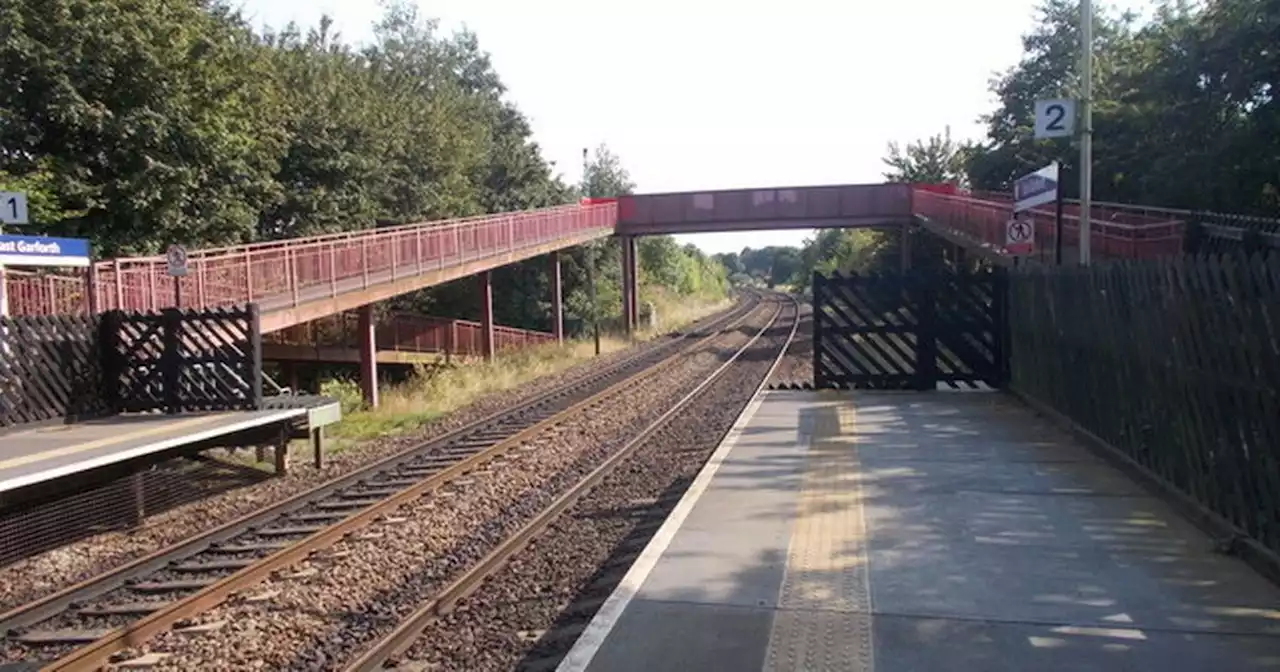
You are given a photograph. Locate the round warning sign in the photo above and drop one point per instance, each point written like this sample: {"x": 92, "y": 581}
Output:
{"x": 177, "y": 258}
{"x": 1019, "y": 236}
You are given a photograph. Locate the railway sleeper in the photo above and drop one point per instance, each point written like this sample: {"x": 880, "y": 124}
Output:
{"x": 347, "y": 504}
{"x": 292, "y": 531}
{"x": 177, "y": 586}
{"x": 67, "y": 636}
{"x": 124, "y": 609}
{"x": 252, "y": 547}
{"x": 212, "y": 565}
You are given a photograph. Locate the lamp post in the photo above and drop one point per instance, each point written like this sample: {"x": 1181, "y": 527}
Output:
{"x": 1086, "y": 127}
{"x": 591, "y": 263}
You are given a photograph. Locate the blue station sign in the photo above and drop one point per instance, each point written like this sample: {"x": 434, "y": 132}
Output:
{"x": 1036, "y": 188}
{"x": 43, "y": 251}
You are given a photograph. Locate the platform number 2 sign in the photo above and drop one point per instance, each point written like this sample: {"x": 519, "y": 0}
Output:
{"x": 1055, "y": 118}
{"x": 13, "y": 207}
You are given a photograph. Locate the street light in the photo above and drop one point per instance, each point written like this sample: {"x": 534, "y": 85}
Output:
{"x": 1086, "y": 126}
{"x": 591, "y": 264}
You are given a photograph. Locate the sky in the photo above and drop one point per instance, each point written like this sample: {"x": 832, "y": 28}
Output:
{"x": 714, "y": 94}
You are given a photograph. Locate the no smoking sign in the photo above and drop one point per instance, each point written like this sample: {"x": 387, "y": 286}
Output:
{"x": 1019, "y": 236}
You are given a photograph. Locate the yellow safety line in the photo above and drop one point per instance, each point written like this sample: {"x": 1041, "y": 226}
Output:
{"x": 98, "y": 443}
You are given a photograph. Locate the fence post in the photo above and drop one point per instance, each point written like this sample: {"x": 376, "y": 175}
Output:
{"x": 170, "y": 359}
{"x": 110, "y": 357}
{"x": 819, "y": 298}
{"x": 254, "y": 316}
{"x": 119, "y": 285}
{"x": 91, "y": 286}
{"x": 1000, "y": 288}
{"x": 920, "y": 285}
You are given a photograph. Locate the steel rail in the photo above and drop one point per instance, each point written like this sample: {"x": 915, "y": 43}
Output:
{"x": 399, "y": 640}
{"x": 98, "y": 653}
{"x": 60, "y": 601}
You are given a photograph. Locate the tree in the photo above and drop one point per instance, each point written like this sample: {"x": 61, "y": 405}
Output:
{"x": 159, "y": 121}
{"x": 935, "y": 160}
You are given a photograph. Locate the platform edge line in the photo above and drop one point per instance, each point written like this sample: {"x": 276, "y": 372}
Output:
{"x": 53, "y": 473}
{"x": 593, "y": 636}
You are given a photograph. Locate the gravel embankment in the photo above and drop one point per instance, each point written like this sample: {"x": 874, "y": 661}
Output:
{"x": 528, "y": 615}
{"x": 324, "y": 610}
{"x": 49, "y": 572}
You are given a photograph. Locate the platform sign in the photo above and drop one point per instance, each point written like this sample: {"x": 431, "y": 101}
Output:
{"x": 43, "y": 251}
{"x": 13, "y": 207}
{"x": 1019, "y": 236}
{"x": 1055, "y": 118}
{"x": 1035, "y": 189}
{"x": 177, "y": 258}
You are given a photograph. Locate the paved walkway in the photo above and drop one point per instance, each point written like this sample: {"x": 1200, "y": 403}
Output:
{"x": 945, "y": 531}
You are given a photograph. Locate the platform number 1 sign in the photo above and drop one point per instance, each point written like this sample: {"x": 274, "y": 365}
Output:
{"x": 1055, "y": 118}
{"x": 13, "y": 207}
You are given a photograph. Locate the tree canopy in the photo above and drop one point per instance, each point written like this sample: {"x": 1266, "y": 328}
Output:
{"x": 142, "y": 123}
{"x": 1185, "y": 111}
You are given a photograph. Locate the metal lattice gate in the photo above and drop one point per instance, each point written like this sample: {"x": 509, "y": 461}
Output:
{"x": 912, "y": 331}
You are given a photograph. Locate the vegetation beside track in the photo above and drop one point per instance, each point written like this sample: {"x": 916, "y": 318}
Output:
{"x": 431, "y": 394}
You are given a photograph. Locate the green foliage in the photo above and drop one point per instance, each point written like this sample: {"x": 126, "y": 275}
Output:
{"x": 1185, "y": 113}
{"x": 936, "y": 160}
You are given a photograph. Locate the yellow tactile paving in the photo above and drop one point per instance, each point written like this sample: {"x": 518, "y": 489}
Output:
{"x": 823, "y": 622}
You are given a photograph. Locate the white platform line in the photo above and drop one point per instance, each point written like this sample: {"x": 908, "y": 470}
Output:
{"x": 592, "y": 638}
{"x": 48, "y": 474}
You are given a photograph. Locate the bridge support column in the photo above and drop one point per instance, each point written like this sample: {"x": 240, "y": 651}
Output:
{"x": 630, "y": 284}
{"x": 557, "y": 298}
{"x": 368, "y": 356}
{"x": 486, "y": 314}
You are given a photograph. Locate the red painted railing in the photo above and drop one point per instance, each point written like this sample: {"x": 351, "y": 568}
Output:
{"x": 403, "y": 332}
{"x": 1116, "y": 231}
{"x": 282, "y": 274}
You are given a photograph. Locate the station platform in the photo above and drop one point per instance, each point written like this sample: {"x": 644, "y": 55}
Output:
{"x": 897, "y": 531}
{"x": 46, "y": 455}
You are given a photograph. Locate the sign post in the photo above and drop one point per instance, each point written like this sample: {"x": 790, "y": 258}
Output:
{"x": 13, "y": 210}
{"x": 177, "y": 258}
{"x": 1030, "y": 191}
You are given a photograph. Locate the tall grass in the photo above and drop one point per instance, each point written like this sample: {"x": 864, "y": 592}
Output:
{"x": 434, "y": 392}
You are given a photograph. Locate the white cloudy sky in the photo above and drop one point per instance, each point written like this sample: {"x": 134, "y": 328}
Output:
{"x": 707, "y": 94}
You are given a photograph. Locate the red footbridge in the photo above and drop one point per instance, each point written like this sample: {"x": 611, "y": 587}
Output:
{"x": 301, "y": 282}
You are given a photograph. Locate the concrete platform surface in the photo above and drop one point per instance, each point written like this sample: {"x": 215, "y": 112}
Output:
{"x": 899, "y": 531}
{"x": 50, "y": 452}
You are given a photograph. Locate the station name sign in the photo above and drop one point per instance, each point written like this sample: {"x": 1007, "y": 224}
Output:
{"x": 43, "y": 251}
{"x": 1034, "y": 189}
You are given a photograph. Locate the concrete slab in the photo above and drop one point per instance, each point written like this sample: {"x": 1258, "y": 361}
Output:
{"x": 732, "y": 547}
{"x": 894, "y": 531}
{"x": 46, "y": 453}
{"x": 728, "y": 639}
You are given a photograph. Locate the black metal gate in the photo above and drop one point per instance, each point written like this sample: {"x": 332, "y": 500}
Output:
{"x": 911, "y": 331}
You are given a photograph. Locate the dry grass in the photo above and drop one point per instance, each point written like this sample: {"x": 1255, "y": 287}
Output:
{"x": 430, "y": 394}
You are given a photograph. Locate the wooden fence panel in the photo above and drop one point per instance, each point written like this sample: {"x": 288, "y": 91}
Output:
{"x": 1174, "y": 363}
{"x": 50, "y": 369}
{"x": 913, "y": 331}
{"x": 184, "y": 360}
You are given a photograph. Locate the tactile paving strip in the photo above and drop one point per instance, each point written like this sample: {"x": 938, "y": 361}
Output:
{"x": 823, "y": 621}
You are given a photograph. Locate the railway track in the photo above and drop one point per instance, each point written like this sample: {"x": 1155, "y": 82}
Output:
{"x": 84, "y": 626}
{"x": 391, "y": 649}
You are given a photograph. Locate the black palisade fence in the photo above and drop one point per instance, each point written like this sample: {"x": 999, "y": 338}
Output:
{"x": 50, "y": 369}
{"x": 1175, "y": 364}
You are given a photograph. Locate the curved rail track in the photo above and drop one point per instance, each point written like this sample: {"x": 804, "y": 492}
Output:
{"x": 390, "y": 648}
{"x": 82, "y": 627}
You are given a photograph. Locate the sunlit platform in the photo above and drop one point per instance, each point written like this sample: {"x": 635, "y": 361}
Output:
{"x": 901, "y": 531}
{"x": 48, "y": 455}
